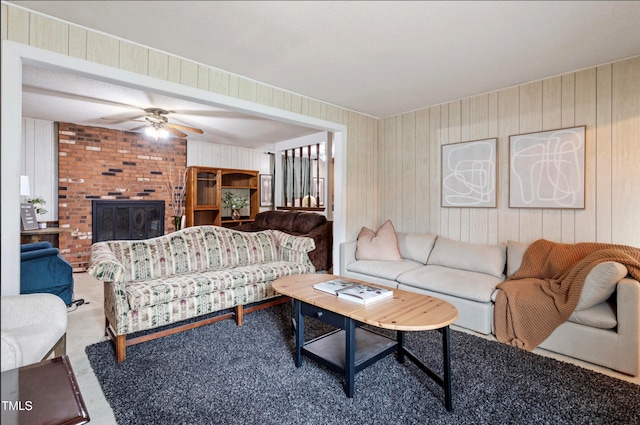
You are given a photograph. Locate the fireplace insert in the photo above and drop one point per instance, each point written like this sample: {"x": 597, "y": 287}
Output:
{"x": 127, "y": 219}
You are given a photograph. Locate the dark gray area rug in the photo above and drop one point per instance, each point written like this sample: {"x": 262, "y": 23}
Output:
{"x": 225, "y": 374}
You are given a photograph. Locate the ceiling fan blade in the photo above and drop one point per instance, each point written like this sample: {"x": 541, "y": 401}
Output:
{"x": 185, "y": 127}
{"x": 139, "y": 128}
{"x": 175, "y": 132}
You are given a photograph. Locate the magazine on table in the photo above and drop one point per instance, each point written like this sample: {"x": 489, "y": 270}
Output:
{"x": 333, "y": 286}
{"x": 365, "y": 294}
{"x": 353, "y": 291}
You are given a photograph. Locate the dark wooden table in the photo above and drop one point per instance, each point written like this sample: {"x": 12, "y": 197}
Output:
{"x": 44, "y": 393}
{"x": 49, "y": 234}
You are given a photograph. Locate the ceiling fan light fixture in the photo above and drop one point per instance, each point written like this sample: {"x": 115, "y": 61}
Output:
{"x": 157, "y": 132}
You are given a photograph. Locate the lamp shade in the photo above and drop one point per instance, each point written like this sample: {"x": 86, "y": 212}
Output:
{"x": 24, "y": 186}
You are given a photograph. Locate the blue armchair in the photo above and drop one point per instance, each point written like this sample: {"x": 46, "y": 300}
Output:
{"x": 42, "y": 269}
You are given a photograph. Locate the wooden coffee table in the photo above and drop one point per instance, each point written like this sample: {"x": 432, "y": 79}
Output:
{"x": 339, "y": 351}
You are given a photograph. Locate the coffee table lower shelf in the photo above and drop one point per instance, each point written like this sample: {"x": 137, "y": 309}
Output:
{"x": 350, "y": 348}
{"x": 329, "y": 349}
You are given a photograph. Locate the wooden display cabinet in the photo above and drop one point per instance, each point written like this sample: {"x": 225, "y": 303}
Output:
{"x": 205, "y": 189}
{"x": 244, "y": 183}
{"x": 202, "y": 198}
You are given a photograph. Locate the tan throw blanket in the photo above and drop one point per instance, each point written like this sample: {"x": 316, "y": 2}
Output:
{"x": 544, "y": 292}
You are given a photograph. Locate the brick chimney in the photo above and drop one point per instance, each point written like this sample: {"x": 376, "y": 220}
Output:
{"x": 99, "y": 163}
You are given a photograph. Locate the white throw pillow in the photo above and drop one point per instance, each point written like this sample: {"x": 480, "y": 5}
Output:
{"x": 600, "y": 283}
{"x": 380, "y": 245}
{"x": 416, "y": 246}
{"x": 515, "y": 252}
{"x": 488, "y": 259}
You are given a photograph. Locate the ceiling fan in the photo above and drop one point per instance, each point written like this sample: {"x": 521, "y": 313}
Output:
{"x": 158, "y": 125}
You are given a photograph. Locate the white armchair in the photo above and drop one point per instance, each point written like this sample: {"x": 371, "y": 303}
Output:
{"x": 33, "y": 327}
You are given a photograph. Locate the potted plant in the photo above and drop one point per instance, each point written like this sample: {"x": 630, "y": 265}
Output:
{"x": 236, "y": 203}
{"x": 38, "y": 206}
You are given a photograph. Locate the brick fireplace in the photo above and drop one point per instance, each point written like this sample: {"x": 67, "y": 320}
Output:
{"x": 98, "y": 163}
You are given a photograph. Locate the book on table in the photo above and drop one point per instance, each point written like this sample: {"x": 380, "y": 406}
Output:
{"x": 352, "y": 291}
{"x": 364, "y": 294}
{"x": 333, "y": 286}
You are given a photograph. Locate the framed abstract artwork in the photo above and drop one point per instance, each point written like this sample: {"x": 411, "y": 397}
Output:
{"x": 469, "y": 174}
{"x": 546, "y": 169}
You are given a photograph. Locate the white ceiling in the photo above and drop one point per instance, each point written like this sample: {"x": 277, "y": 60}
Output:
{"x": 55, "y": 96}
{"x": 380, "y": 58}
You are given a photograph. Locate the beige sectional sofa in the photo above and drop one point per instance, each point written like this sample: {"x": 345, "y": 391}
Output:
{"x": 191, "y": 273}
{"x": 606, "y": 333}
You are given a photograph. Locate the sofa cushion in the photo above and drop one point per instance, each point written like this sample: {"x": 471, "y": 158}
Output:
{"x": 218, "y": 247}
{"x": 416, "y": 246}
{"x": 599, "y": 316}
{"x": 277, "y": 220}
{"x": 141, "y": 260}
{"x": 305, "y": 222}
{"x": 515, "y": 252}
{"x": 184, "y": 286}
{"x": 488, "y": 259}
{"x": 381, "y": 245}
{"x": 383, "y": 269}
{"x": 458, "y": 283}
{"x": 192, "y": 249}
{"x": 262, "y": 220}
{"x": 600, "y": 283}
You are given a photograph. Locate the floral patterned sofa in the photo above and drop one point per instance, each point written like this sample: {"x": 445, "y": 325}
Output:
{"x": 190, "y": 273}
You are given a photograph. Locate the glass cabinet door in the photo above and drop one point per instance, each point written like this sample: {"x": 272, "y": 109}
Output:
{"x": 207, "y": 187}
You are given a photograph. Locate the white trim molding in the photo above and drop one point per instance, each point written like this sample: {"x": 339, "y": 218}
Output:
{"x": 14, "y": 55}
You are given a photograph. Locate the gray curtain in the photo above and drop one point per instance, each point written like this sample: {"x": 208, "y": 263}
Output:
{"x": 294, "y": 169}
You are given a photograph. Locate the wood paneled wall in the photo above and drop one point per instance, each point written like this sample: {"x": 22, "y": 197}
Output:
{"x": 393, "y": 164}
{"x": 213, "y": 155}
{"x": 606, "y": 99}
{"x": 33, "y": 29}
{"x": 40, "y": 163}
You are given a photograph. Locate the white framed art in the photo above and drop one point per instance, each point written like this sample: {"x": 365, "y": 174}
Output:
{"x": 469, "y": 174}
{"x": 546, "y": 169}
{"x": 266, "y": 190}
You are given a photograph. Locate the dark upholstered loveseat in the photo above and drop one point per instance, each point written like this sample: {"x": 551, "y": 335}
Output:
{"x": 299, "y": 223}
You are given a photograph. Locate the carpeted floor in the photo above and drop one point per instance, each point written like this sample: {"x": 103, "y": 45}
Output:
{"x": 225, "y": 374}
